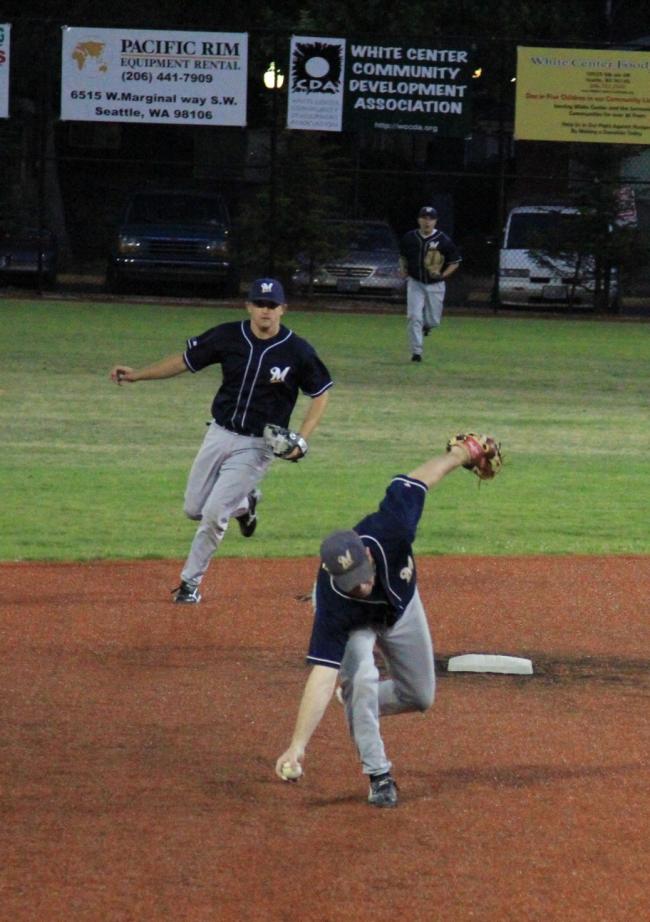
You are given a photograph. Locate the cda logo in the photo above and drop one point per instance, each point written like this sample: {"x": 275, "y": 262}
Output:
{"x": 317, "y": 67}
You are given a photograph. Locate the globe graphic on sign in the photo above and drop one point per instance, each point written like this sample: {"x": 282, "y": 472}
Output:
{"x": 91, "y": 58}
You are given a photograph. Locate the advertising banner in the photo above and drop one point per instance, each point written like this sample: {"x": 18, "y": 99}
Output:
{"x": 317, "y": 71}
{"x": 339, "y": 84}
{"x": 154, "y": 77}
{"x": 5, "y": 47}
{"x": 567, "y": 94}
{"x": 408, "y": 88}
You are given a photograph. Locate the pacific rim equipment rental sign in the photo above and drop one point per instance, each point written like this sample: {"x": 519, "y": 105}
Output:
{"x": 154, "y": 77}
{"x": 338, "y": 84}
{"x": 5, "y": 45}
{"x": 569, "y": 94}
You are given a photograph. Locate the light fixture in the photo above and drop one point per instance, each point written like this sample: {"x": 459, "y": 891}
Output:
{"x": 477, "y": 73}
{"x": 273, "y": 77}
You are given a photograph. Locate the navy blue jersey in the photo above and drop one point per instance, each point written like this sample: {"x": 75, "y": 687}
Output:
{"x": 414, "y": 248}
{"x": 261, "y": 377}
{"x": 389, "y": 534}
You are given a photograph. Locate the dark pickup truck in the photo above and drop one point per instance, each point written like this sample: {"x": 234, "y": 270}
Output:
{"x": 174, "y": 236}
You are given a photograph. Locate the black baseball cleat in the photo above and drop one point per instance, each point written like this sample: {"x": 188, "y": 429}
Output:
{"x": 186, "y": 594}
{"x": 383, "y": 791}
{"x": 416, "y": 358}
{"x": 248, "y": 521}
{"x": 426, "y": 330}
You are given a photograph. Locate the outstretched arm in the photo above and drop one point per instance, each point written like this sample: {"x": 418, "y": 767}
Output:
{"x": 480, "y": 454}
{"x": 433, "y": 470}
{"x": 165, "y": 368}
{"x": 319, "y": 689}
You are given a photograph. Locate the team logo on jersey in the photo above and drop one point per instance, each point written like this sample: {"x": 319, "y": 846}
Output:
{"x": 406, "y": 573}
{"x": 279, "y": 375}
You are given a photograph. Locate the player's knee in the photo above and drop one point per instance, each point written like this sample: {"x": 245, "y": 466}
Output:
{"x": 417, "y": 699}
{"x": 192, "y": 510}
{"x": 217, "y": 519}
{"x": 424, "y": 699}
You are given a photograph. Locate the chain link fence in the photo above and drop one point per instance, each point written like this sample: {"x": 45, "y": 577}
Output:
{"x": 538, "y": 223}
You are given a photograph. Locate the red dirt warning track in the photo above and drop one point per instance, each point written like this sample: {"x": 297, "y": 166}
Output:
{"x": 138, "y": 740}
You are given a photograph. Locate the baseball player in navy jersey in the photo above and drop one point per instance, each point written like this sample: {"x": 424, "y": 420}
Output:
{"x": 366, "y": 596}
{"x": 427, "y": 258}
{"x": 264, "y": 365}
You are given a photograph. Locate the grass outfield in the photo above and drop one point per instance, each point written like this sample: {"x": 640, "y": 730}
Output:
{"x": 90, "y": 470}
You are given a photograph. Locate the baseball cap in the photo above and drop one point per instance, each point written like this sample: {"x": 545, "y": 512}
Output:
{"x": 343, "y": 555}
{"x": 428, "y": 211}
{"x": 267, "y": 290}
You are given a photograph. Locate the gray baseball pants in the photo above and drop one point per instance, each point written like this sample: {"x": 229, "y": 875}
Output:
{"x": 408, "y": 651}
{"x": 226, "y": 469}
{"x": 424, "y": 304}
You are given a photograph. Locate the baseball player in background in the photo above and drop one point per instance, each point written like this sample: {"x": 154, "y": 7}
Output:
{"x": 427, "y": 258}
{"x": 264, "y": 366}
{"x": 366, "y": 596}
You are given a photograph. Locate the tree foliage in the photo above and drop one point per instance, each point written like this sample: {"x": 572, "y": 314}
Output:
{"x": 283, "y": 221}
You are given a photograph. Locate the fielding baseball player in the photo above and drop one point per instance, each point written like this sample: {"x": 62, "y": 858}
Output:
{"x": 365, "y": 597}
{"x": 427, "y": 258}
{"x": 264, "y": 365}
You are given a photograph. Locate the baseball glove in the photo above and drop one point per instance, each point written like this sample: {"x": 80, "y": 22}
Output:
{"x": 434, "y": 262}
{"x": 485, "y": 454}
{"x": 282, "y": 442}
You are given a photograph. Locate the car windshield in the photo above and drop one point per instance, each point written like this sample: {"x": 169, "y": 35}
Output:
{"x": 368, "y": 237}
{"x": 531, "y": 230}
{"x": 175, "y": 209}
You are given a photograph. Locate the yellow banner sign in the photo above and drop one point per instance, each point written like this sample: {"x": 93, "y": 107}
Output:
{"x": 568, "y": 94}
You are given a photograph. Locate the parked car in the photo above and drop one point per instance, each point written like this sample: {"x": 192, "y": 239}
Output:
{"x": 174, "y": 236}
{"x": 27, "y": 251}
{"x": 369, "y": 266}
{"x": 529, "y": 273}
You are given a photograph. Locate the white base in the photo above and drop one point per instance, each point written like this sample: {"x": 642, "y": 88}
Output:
{"x": 490, "y": 662}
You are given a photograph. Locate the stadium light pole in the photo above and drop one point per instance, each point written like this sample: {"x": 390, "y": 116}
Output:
{"x": 273, "y": 81}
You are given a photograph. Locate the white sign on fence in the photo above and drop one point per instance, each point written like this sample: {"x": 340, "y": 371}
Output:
{"x": 316, "y": 83}
{"x": 154, "y": 77}
{"x": 5, "y": 45}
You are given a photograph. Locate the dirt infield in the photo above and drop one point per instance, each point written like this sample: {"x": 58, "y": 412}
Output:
{"x": 138, "y": 740}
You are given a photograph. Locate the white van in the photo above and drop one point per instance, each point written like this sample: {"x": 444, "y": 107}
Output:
{"x": 529, "y": 276}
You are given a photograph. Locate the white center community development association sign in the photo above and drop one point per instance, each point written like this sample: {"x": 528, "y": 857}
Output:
{"x": 340, "y": 84}
{"x": 5, "y": 35}
{"x": 154, "y": 77}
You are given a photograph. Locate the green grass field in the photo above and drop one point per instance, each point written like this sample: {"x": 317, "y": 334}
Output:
{"x": 90, "y": 470}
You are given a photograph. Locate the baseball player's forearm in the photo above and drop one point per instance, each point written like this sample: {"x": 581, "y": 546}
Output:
{"x": 433, "y": 470}
{"x": 313, "y": 416}
{"x": 451, "y": 268}
{"x": 166, "y": 368}
{"x": 318, "y": 692}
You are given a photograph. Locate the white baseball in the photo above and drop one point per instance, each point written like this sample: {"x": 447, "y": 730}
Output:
{"x": 289, "y": 773}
